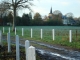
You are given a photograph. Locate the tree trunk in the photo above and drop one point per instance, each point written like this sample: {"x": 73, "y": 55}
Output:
{"x": 14, "y": 19}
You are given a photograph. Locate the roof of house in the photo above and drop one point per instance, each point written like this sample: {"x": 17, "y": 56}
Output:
{"x": 64, "y": 17}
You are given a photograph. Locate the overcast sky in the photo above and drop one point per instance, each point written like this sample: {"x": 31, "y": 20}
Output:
{"x": 65, "y": 6}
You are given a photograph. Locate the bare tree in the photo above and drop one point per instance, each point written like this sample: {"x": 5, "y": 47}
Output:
{"x": 69, "y": 15}
{"x": 57, "y": 15}
{"x": 3, "y": 9}
{"x": 57, "y": 12}
{"x": 17, "y": 4}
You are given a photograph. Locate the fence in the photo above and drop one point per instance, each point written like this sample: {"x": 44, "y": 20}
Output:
{"x": 46, "y": 34}
{"x": 29, "y": 50}
{"x": 53, "y": 34}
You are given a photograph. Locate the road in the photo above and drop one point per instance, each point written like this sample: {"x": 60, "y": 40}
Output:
{"x": 50, "y": 52}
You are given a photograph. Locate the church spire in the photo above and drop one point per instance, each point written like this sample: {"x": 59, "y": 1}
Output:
{"x": 51, "y": 11}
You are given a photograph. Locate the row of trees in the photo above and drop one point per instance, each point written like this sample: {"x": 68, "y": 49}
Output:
{"x": 37, "y": 20}
{"x": 26, "y": 19}
{"x": 15, "y": 5}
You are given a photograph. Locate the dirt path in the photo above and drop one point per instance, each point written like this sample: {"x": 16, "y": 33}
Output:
{"x": 50, "y": 52}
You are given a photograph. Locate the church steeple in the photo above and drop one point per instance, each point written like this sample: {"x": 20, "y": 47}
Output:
{"x": 50, "y": 14}
{"x": 51, "y": 11}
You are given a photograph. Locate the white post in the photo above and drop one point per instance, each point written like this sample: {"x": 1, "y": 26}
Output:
{"x": 53, "y": 34}
{"x": 31, "y": 32}
{"x": 22, "y": 32}
{"x": 3, "y": 29}
{"x": 1, "y": 38}
{"x": 31, "y": 53}
{"x": 41, "y": 33}
{"x": 70, "y": 36}
{"x": 17, "y": 48}
{"x": 9, "y": 29}
{"x": 27, "y": 44}
{"x": 9, "y": 42}
{"x": 15, "y": 31}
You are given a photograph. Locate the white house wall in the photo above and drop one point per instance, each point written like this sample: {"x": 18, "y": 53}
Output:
{"x": 65, "y": 21}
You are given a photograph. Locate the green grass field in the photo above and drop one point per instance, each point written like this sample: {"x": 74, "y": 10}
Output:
{"x": 61, "y": 34}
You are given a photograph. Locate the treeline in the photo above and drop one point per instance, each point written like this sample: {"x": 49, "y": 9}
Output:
{"x": 27, "y": 20}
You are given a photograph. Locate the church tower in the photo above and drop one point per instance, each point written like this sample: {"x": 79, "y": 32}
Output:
{"x": 50, "y": 11}
{"x": 50, "y": 14}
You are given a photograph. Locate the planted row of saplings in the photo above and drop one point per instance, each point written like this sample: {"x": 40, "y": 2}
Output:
{"x": 54, "y": 34}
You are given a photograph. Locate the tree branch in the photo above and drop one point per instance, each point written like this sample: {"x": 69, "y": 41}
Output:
{"x": 12, "y": 2}
{"x": 18, "y": 2}
{"x": 7, "y": 3}
{"x": 23, "y": 2}
{"x": 28, "y": 8}
{"x": 21, "y": 6}
{"x": 31, "y": 3}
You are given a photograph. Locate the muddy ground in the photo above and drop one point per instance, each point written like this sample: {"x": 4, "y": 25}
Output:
{"x": 49, "y": 51}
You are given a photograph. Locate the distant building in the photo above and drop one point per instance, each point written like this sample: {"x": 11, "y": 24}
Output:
{"x": 64, "y": 19}
{"x": 50, "y": 14}
{"x": 67, "y": 21}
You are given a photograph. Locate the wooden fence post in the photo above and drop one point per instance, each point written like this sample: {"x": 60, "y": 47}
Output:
{"x": 53, "y": 34}
{"x": 22, "y": 32}
{"x": 41, "y": 34}
{"x": 70, "y": 35}
{"x": 1, "y": 38}
{"x": 31, "y": 53}
{"x": 17, "y": 48}
{"x": 27, "y": 44}
{"x": 3, "y": 29}
{"x": 31, "y": 32}
{"x": 9, "y": 42}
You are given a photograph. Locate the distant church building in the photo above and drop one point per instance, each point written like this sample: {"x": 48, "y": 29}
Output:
{"x": 57, "y": 14}
{"x": 50, "y": 14}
